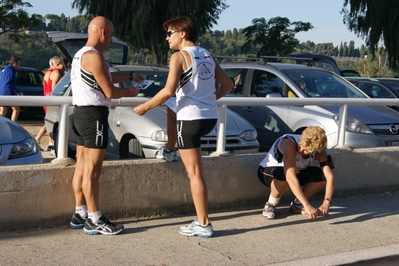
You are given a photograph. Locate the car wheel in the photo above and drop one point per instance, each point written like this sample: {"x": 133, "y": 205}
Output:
{"x": 71, "y": 153}
{"x": 130, "y": 147}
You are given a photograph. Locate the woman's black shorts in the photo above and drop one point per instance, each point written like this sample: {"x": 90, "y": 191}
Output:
{"x": 310, "y": 174}
{"x": 189, "y": 133}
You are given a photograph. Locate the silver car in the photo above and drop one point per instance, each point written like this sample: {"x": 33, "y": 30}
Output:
{"x": 134, "y": 136}
{"x": 17, "y": 146}
{"x": 366, "y": 126}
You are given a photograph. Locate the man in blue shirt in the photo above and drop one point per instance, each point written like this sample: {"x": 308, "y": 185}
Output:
{"x": 8, "y": 85}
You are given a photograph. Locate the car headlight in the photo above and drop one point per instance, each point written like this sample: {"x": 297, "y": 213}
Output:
{"x": 159, "y": 135}
{"x": 249, "y": 135}
{"x": 23, "y": 148}
{"x": 354, "y": 125}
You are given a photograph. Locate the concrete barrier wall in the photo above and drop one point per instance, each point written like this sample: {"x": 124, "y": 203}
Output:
{"x": 41, "y": 195}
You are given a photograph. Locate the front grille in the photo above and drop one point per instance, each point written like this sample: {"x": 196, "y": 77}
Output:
{"x": 385, "y": 130}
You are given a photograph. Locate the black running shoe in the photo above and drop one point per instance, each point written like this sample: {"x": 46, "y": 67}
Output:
{"x": 104, "y": 227}
{"x": 77, "y": 222}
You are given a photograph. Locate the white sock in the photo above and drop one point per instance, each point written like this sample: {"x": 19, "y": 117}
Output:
{"x": 94, "y": 216}
{"x": 273, "y": 200}
{"x": 81, "y": 210}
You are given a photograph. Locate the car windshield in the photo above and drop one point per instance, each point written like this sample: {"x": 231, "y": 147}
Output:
{"x": 322, "y": 84}
{"x": 114, "y": 54}
{"x": 154, "y": 88}
{"x": 62, "y": 85}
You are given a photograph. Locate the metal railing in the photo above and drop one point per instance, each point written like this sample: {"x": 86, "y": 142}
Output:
{"x": 66, "y": 102}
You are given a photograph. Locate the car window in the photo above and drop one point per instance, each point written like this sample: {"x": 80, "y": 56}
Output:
{"x": 29, "y": 79}
{"x": 376, "y": 90}
{"x": 238, "y": 76}
{"x": 62, "y": 85}
{"x": 393, "y": 85}
{"x": 322, "y": 84}
{"x": 264, "y": 83}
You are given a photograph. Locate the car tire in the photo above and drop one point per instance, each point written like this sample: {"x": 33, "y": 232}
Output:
{"x": 130, "y": 147}
{"x": 71, "y": 153}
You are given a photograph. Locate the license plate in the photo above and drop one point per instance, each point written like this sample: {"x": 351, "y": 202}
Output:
{"x": 393, "y": 143}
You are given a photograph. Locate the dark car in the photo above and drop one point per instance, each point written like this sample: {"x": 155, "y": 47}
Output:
{"x": 30, "y": 83}
{"x": 323, "y": 61}
{"x": 378, "y": 87}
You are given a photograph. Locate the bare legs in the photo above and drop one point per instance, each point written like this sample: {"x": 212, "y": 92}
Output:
{"x": 86, "y": 178}
{"x": 278, "y": 188}
{"x": 15, "y": 112}
{"x": 192, "y": 161}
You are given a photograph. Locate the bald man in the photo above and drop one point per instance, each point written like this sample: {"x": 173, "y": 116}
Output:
{"x": 93, "y": 89}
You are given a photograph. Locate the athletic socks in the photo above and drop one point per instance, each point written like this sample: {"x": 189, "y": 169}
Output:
{"x": 94, "y": 216}
{"x": 81, "y": 210}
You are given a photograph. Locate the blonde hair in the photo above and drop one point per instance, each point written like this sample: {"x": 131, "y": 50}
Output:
{"x": 314, "y": 137}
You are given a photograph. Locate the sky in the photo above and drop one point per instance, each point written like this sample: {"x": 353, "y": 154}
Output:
{"x": 323, "y": 15}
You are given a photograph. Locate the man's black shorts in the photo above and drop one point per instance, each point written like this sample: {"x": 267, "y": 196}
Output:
{"x": 310, "y": 174}
{"x": 90, "y": 124}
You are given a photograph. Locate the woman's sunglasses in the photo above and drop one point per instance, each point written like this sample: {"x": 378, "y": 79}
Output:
{"x": 170, "y": 33}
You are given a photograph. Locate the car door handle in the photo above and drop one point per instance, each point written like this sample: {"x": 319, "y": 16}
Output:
{"x": 248, "y": 108}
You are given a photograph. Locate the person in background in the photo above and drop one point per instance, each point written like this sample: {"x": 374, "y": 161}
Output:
{"x": 92, "y": 90}
{"x": 48, "y": 86}
{"x": 192, "y": 76}
{"x": 291, "y": 163}
{"x": 8, "y": 86}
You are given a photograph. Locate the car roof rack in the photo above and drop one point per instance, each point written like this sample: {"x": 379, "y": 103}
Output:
{"x": 265, "y": 58}
{"x": 231, "y": 58}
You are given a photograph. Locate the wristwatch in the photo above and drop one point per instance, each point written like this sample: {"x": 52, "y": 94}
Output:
{"x": 328, "y": 199}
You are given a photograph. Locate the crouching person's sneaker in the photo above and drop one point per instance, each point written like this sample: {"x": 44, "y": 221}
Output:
{"x": 169, "y": 156}
{"x": 77, "y": 221}
{"x": 296, "y": 208}
{"x": 268, "y": 211}
{"x": 103, "y": 227}
{"x": 196, "y": 229}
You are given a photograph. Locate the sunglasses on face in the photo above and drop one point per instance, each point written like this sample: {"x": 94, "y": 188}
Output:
{"x": 170, "y": 33}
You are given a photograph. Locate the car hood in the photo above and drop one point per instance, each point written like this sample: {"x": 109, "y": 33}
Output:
{"x": 235, "y": 124}
{"x": 11, "y": 132}
{"x": 369, "y": 114}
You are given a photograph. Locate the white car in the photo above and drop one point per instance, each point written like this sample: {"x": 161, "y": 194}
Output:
{"x": 134, "y": 136}
{"x": 17, "y": 146}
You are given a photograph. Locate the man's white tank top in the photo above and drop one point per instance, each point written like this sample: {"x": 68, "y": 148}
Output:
{"x": 195, "y": 95}
{"x": 275, "y": 158}
{"x": 85, "y": 89}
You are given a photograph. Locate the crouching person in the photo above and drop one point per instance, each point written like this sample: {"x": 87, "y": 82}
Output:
{"x": 299, "y": 163}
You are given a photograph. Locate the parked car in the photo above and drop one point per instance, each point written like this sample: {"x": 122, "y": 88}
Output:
{"x": 134, "y": 136}
{"x": 30, "y": 83}
{"x": 325, "y": 62}
{"x": 366, "y": 126}
{"x": 17, "y": 146}
{"x": 345, "y": 72}
{"x": 378, "y": 88}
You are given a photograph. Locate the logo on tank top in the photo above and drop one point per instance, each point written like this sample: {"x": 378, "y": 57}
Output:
{"x": 205, "y": 70}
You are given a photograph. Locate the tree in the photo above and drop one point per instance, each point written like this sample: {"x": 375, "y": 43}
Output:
{"x": 274, "y": 37}
{"x": 139, "y": 22}
{"x": 375, "y": 20}
{"x": 14, "y": 18}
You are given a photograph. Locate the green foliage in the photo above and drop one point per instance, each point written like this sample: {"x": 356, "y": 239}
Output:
{"x": 139, "y": 22}
{"x": 34, "y": 50}
{"x": 375, "y": 20}
{"x": 14, "y": 19}
{"x": 273, "y": 37}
